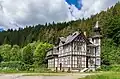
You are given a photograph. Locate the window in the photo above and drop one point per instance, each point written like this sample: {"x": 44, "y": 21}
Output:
{"x": 92, "y": 51}
{"x": 56, "y": 60}
{"x": 75, "y": 47}
{"x": 97, "y": 61}
{"x": 51, "y": 63}
{"x": 74, "y": 61}
{"x": 97, "y": 51}
{"x": 92, "y": 61}
{"x": 79, "y": 61}
{"x": 79, "y": 47}
{"x": 88, "y": 51}
{"x": 68, "y": 61}
{"x": 97, "y": 41}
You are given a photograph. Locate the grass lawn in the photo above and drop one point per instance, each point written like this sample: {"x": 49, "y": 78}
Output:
{"x": 104, "y": 75}
{"x": 45, "y": 74}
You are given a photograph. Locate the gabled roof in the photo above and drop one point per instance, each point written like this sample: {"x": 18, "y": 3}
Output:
{"x": 71, "y": 37}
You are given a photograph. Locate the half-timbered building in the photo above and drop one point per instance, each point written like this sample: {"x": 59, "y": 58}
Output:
{"x": 76, "y": 52}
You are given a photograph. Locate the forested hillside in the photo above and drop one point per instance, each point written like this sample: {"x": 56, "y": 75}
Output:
{"x": 50, "y": 32}
{"x": 109, "y": 21}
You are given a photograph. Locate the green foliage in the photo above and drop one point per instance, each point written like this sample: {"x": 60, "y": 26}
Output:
{"x": 114, "y": 29}
{"x": 109, "y": 22}
{"x": 42, "y": 70}
{"x": 11, "y": 64}
{"x": 1, "y": 58}
{"x": 40, "y": 53}
{"x": 110, "y": 52}
{"x": 16, "y": 58}
{"x": 27, "y": 54}
{"x": 16, "y": 45}
{"x": 15, "y": 53}
{"x": 8, "y": 70}
{"x": 5, "y": 52}
{"x": 115, "y": 68}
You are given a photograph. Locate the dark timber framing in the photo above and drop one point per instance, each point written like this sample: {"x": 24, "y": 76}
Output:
{"x": 76, "y": 52}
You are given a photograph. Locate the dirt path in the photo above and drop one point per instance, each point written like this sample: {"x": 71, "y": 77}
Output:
{"x": 21, "y": 76}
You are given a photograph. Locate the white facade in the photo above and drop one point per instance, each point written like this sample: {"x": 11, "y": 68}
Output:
{"x": 76, "y": 52}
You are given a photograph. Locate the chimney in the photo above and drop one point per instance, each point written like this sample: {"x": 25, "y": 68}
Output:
{"x": 85, "y": 34}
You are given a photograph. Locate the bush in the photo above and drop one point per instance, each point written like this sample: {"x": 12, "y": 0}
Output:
{"x": 17, "y": 65}
{"x": 105, "y": 68}
{"x": 20, "y": 66}
{"x": 115, "y": 68}
{"x": 11, "y": 64}
{"x": 110, "y": 68}
{"x": 8, "y": 70}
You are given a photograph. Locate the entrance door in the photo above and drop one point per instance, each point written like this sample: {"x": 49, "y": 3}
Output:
{"x": 60, "y": 66}
{"x": 87, "y": 58}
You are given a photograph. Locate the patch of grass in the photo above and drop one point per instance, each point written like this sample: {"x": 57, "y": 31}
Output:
{"x": 44, "y": 74}
{"x": 15, "y": 70}
{"x": 104, "y": 75}
{"x": 36, "y": 72}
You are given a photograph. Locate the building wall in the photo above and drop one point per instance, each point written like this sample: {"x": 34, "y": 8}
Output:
{"x": 78, "y": 62}
{"x": 64, "y": 57}
{"x": 79, "y": 54}
{"x": 97, "y": 42}
{"x": 76, "y": 54}
{"x": 92, "y": 58}
{"x": 65, "y": 62}
{"x": 51, "y": 63}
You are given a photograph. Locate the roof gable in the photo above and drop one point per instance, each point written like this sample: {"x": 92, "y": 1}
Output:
{"x": 72, "y": 37}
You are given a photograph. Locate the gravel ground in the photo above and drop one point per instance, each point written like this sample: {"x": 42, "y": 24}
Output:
{"x": 20, "y": 76}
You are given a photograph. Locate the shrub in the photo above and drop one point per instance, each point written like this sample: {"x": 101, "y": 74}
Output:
{"x": 105, "y": 68}
{"x": 115, "y": 68}
{"x": 11, "y": 64}
{"x": 110, "y": 68}
{"x": 18, "y": 65}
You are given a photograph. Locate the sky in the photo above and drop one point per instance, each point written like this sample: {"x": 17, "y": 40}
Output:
{"x": 76, "y": 3}
{"x": 1, "y": 29}
{"x": 19, "y": 13}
